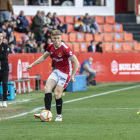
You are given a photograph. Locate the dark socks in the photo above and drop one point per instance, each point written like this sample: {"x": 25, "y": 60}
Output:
{"x": 59, "y": 106}
{"x": 48, "y": 100}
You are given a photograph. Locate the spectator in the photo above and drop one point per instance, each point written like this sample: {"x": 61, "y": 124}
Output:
{"x": 92, "y": 47}
{"x": 86, "y": 70}
{"x": 4, "y": 35}
{"x": 12, "y": 47}
{"x": 51, "y": 26}
{"x": 33, "y": 46}
{"x": 58, "y": 23}
{"x": 48, "y": 41}
{"x": 26, "y": 37}
{"x": 90, "y": 24}
{"x": 46, "y": 32}
{"x": 22, "y": 23}
{"x": 37, "y": 27}
{"x": 11, "y": 26}
{"x": 79, "y": 25}
{"x": 5, "y": 29}
{"x": 5, "y": 9}
{"x": 44, "y": 3}
{"x": 99, "y": 47}
{"x": 44, "y": 18}
{"x": 89, "y": 2}
{"x": 55, "y": 2}
{"x": 11, "y": 38}
{"x": 5, "y": 41}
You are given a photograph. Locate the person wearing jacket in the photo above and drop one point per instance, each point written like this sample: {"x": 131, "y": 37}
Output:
{"x": 22, "y": 23}
{"x": 4, "y": 70}
{"x": 5, "y": 9}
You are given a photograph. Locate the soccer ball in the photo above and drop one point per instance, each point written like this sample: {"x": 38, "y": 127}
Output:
{"x": 46, "y": 116}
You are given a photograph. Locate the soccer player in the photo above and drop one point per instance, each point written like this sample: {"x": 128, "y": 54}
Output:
{"x": 63, "y": 73}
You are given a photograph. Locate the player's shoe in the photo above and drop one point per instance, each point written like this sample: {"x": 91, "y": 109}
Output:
{"x": 1, "y": 104}
{"x": 37, "y": 115}
{"x": 138, "y": 113}
{"x": 4, "y": 104}
{"x": 58, "y": 119}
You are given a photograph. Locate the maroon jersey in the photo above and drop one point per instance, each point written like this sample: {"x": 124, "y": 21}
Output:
{"x": 61, "y": 57}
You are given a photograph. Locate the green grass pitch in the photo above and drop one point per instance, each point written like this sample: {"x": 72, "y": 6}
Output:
{"x": 104, "y": 117}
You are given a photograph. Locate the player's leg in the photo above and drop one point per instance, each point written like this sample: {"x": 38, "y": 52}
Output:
{"x": 50, "y": 84}
{"x": 57, "y": 93}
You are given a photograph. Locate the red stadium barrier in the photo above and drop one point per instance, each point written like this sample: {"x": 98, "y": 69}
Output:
{"x": 113, "y": 67}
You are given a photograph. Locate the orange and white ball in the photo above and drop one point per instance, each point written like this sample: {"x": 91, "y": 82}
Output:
{"x": 46, "y": 116}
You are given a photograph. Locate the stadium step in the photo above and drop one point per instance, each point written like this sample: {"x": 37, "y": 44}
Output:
{"x": 125, "y": 18}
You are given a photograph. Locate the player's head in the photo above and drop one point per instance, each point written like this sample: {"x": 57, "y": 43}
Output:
{"x": 56, "y": 37}
{"x": 1, "y": 36}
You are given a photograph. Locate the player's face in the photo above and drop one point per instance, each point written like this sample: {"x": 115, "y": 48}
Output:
{"x": 1, "y": 37}
{"x": 56, "y": 40}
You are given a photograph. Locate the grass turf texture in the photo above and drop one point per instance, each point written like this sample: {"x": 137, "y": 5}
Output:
{"x": 106, "y": 117}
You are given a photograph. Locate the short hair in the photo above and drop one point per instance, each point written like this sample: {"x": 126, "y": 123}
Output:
{"x": 56, "y": 32}
{"x": 91, "y": 41}
{"x": 1, "y": 32}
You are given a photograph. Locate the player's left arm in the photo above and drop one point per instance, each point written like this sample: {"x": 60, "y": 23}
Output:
{"x": 75, "y": 67}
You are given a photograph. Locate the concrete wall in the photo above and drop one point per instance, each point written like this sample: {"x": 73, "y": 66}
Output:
{"x": 78, "y": 9}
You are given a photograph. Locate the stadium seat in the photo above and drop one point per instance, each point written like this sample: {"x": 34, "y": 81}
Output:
{"x": 80, "y": 37}
{"x": 69, "y": 19}
{"x": 70, "y": 28}
{"x": 70, "y": 45}
{"x": 110, "y": 19}
{"x": 108, "y": 38}
{"x": 18, "y": 37}
{"x": 76, "y": 18}
{"x": 99, "y": 19}
{"x": 76, "y": 48}
{"x": 117, "y": 47}
{"x": 137, "y": 46}
{"x": 65, "y": 37}
{"x": 83, "y": 47}
{"x": 100, "y": 27}
{"x": 107, "y": 28}
{"x": 118, "y": 37}
{"x": 127, "y": 47}
{"x": 61, "y": 18}
{"x": 29, "y": 19}
{"x": 88, "y": 37}
{"x": 118, "y": 28}
{"x": 97, "y": 38}
{"x": 72, "y": 37}
{"x": 128, "y": 37}
{"x": 107, "y": 47}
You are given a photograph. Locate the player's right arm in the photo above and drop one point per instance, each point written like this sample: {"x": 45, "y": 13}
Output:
{"x": 39, "y": 60}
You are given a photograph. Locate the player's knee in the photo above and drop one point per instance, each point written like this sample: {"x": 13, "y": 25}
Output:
{"x": 47, "y": 89}
{"x": 57, "y": 94}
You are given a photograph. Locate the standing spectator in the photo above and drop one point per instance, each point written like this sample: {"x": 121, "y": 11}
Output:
{"x": 79, "y": 25}
{"x": 22, "y": 23}
{"x": 37, "y": 27}
{"x": 90, "y": 24}
{"x": 99, "y": 47}
{"x": 58, "y": 23}
{"x": 5, "y": 9}
{"x": 44, "y": 19}
{"x": 86, "y": 70}
{"x": 92, "y": 47}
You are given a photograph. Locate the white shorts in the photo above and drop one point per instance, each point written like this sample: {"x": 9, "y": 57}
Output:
{"x": 61, "y": 78}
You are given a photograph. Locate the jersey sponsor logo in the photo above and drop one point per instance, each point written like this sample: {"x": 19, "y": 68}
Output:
{"x": 70, "y": 52}
{"x": 57, "y": 60}
{"x": 59, "y": 55}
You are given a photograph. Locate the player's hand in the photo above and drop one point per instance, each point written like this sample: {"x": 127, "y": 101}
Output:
{"x": 28, "y": 67}
{"x": 72, "y": 79}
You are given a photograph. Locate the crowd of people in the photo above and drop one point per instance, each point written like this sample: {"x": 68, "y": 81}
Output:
{"x": 36, "y": 36}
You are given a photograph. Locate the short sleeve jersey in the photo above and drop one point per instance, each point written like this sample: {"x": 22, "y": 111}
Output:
{"x": 61, "y": 57}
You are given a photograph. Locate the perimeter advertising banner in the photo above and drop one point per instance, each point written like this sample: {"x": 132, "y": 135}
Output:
{"x": 111, "y": 66}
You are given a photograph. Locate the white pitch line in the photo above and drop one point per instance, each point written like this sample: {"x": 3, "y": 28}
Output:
{"x": 39, "y": 108}
{"x": 20, "y": 101}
